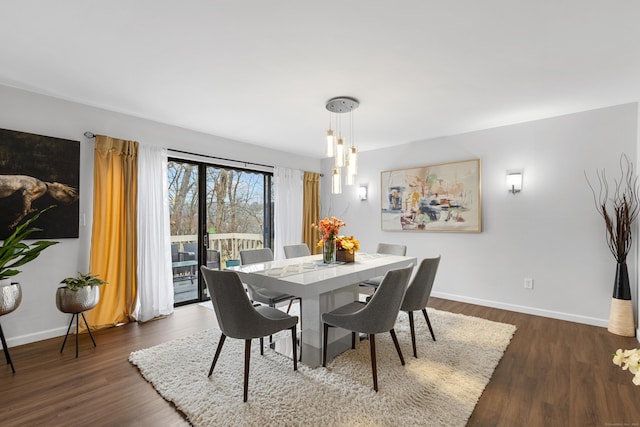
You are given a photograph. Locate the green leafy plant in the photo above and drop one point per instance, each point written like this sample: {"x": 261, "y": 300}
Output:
{"x": 82, "y": 281}
{"x": 15, "y": 253}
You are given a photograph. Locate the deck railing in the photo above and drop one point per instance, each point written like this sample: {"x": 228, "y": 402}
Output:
{"x": 228, "y": 244}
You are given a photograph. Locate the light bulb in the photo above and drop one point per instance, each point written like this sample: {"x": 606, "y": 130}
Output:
{"x": 336, "y": 184}
{"x": 329, "y": 143}
{"x": 340, "y": 153}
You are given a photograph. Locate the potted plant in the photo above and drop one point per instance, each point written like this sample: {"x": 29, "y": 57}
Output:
{"x": 619, "y": 206}
{"x": 347, "y": 247}
{"x": 14, "y": 253}
{"x": 79, "y": 293}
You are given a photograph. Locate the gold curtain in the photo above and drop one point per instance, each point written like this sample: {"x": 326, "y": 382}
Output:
{"x": 311, "y": 210}
{"x": 113, "y": 240}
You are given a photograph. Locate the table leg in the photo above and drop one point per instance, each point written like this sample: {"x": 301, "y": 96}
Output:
{"x": 339, "y": 340}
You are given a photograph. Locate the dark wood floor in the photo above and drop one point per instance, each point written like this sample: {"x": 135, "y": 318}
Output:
{"x": 553, "y": 373}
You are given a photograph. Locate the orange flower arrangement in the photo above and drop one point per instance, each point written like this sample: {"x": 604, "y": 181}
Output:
{"x": 328, "y": 228}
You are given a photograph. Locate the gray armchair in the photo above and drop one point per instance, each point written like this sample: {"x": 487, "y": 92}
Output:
{"x": 377, "y": 316}
{"x": 295, "y": 251}
{"x": 417, "y": 295}
{"x": 238, "y": 318}
{"x": 389, "y": 249}
{"x": 262, "y": 295}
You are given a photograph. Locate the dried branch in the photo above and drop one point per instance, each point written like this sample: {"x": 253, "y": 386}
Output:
{"x": 620, "y": 210}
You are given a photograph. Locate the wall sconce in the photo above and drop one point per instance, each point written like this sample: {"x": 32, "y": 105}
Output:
{"x": 514, "y": 182}
{"x": 362, "y": 192}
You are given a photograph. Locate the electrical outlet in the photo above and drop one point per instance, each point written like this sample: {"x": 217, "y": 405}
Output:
{"x": 528, "y": 283}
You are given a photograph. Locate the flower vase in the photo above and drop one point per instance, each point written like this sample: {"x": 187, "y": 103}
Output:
{"x": 621, "y": 320}
{"x": 329, "y": 251}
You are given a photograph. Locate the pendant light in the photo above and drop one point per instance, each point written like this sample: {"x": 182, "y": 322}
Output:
{"x": 336, "y": 181}
{"x": 330, "y": 141}
{"x": 336, "y": 145}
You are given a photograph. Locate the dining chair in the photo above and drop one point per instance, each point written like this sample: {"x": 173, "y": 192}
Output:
{"x": 213, "y": 258}
{"x": 238, "y": 318}
{"x": 388, "y": 249}
{"x": 417, "y": 295}
{"x": 377, "y": 316}
{"x": 189, "y": 253}
{"x": 295, "y": 251}
{"x": 263, "y": 295}
{"x": 175, "y": 257}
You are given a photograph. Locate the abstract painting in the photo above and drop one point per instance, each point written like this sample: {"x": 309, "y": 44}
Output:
{"x": 442, "y": 197}
{"x": 37, "y": 171}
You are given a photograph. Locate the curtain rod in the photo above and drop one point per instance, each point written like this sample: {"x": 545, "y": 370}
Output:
{"x": 220, "y": 158}
{"x": 91, "y": 135}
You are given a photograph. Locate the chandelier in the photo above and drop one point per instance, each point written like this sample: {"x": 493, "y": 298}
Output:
{"x": 345, "y": 156}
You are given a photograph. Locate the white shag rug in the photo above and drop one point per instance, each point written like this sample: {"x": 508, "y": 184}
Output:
{"x": 439, "y": 388}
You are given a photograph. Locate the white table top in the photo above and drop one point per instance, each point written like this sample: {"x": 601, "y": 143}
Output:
{"x": 308, "y": 276}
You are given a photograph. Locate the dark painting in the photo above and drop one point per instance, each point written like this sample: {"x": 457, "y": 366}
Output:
{"x": 35, "y": 172}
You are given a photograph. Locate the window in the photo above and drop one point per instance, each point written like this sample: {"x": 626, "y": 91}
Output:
{"x": 215, "y": 212}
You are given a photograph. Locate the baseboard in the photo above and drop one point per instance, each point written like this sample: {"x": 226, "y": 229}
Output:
{"x": 524, "y": 309}
{"x": 37, "y": 336}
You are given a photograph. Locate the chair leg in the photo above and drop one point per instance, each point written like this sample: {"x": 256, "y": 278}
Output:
{"x": 295, "y": 347}
{"x": 424, "y": 311}
{"x": 374, "y": 369}
{"x": 67, "y": 334}
{"x": 413, "y": 333}
{"x": 271, "y": 336}
{"x": 395, "y": 342}
{"x": 215, "y": 358}
{"x": 353, "y": 340}
{"x": 289, "y": 306}
{"x": 324, "y": 344}
{"x": 88, "y": 329}
{"x": 261, "y": 346}
{"x": 6, "y": 350}
{"x": 247, "y": 356}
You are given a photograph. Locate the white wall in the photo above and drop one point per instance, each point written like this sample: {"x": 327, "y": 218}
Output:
{"x": 550, "y": 231}
{"x": 37, "y": 317}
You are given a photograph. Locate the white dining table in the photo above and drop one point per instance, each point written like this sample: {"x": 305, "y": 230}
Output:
{"x": 322, "y": 288}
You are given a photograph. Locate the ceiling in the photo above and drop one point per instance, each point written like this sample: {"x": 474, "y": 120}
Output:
{"x": 261, "y": 71}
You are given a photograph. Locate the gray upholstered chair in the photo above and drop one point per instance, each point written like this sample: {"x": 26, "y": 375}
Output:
{"x": 389, "y": 249}
{"x": 295, "y": 251}
{"x": 254, "y": 256}
{"x": 238, "y": 318}
{"x": 377, "y": 316}
{"x": 417, "y": 295}
{"x": 262, "y": 295}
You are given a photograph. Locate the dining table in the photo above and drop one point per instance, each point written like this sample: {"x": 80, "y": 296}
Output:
{"x": 322, "y": 288}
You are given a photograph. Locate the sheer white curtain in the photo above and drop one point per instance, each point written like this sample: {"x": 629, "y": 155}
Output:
{"x": 155, "y": 280}
{"x": 288, "y": 189}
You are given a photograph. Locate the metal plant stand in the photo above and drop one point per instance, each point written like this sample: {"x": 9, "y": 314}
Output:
{"x": 76, "y": 303}
{"x": 77, "y": 317}
{"x": 10, "y": 298}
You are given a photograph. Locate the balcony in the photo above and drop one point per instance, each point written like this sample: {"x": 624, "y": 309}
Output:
{"x": 222, "y": 247}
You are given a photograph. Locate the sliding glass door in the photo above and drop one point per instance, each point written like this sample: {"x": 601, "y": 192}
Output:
{"x": 216, "y": 212}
